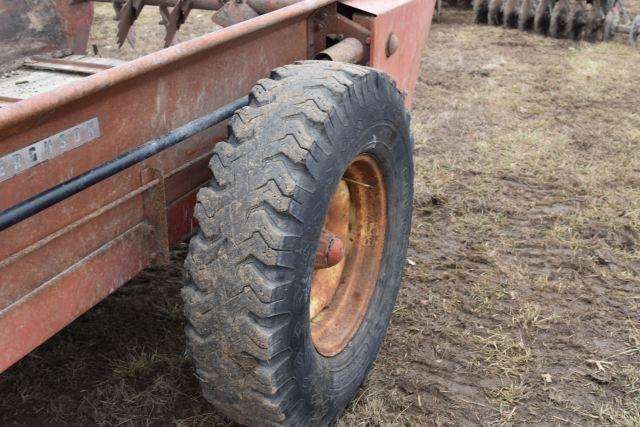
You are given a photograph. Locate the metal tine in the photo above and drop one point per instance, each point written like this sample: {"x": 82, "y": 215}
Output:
{"x": 128, "y": 14}
{"x": 177, "y": 17}
{"x": 127, "y": 11}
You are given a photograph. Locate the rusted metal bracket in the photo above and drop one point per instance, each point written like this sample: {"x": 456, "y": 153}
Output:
{"x": 155, "y": 214}
{"x": 347, "y": 28}
{"x": 321, "y": 23}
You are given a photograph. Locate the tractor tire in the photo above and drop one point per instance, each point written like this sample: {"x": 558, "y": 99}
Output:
{"x": 577, "y": 21}
{"x": 320, "y": 142}
{"x": 595, "y": 22}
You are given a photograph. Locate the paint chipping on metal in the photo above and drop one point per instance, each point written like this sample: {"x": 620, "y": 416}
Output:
{"x": 32, "y": 155}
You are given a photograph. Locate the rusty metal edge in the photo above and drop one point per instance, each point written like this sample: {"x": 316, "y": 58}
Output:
{"x": 375, "y": 7}
{"x": 44, "y": 103}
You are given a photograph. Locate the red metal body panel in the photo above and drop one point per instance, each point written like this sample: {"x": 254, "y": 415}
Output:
{"x": 410, "y": 21}
{"x": 57, "y": 264}
{"x": 56, "y": 303}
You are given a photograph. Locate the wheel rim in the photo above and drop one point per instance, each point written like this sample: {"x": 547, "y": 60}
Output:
{"x": 340, "y": 294}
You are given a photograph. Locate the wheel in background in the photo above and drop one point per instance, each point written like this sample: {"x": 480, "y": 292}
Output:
{"x": 480, "y": 11}
{"x": 542, "y": 17}
{"x": 611, "y": 21}
{"x": 495, "y": 12}
{"x": 559, "y": 19}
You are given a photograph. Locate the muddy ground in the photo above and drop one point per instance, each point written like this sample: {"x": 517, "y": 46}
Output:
{"x": 521, "y": 301}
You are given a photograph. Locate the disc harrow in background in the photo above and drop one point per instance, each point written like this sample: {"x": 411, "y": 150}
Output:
{"x": 590, "y": 20}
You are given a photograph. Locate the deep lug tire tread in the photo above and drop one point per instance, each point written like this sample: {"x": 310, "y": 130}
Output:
{"x": 241, "y": 290}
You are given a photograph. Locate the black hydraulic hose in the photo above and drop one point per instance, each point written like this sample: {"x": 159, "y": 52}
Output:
{"x": 42, "y": 201}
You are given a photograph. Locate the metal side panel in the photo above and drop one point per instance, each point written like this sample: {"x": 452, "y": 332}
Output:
{"x": 408, "y": 22}
{"x": 47, "y": 273}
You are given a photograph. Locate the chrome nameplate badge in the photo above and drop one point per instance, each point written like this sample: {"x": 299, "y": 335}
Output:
{"x": 19, "y": 161}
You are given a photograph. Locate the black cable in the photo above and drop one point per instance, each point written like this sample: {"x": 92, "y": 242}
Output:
{"x": 42, "y": 201}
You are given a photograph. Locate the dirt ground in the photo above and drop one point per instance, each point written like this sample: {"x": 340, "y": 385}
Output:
{"x": 520, "y": 302}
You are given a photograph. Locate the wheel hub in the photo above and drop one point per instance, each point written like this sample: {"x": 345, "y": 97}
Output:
{"x": 349, "y": 255}
{"x": 330, "y": 250}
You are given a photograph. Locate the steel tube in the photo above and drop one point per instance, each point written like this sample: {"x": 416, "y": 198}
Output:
{"x": 348, "y": 50}
{"x": 42, "y": 201}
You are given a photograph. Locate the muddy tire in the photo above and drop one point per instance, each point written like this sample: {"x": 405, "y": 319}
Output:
{"x": 251, "y": 265}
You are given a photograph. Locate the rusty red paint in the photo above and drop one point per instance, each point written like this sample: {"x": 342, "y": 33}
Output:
{"x": 18, "y": 118}
{"x": 57, "y": 264}
{"x": 24, "y": 271}
{"x": 180, "y": 218}
{"x": 33, "y": 319}
{"x": 76, "y": 19}
{"x": 170, "y": 88}
{"x": 36, "y": 27}
{"x": 410, "y": 21}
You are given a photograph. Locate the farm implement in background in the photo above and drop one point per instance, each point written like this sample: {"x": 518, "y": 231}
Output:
{"x": 174, "y": 13}
{"x": 591, "y": 20}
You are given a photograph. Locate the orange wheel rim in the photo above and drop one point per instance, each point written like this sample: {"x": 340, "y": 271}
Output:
{"x": 340, "y": 294}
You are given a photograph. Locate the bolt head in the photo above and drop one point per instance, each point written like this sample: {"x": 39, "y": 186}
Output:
{"x": 393, "y": 44}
